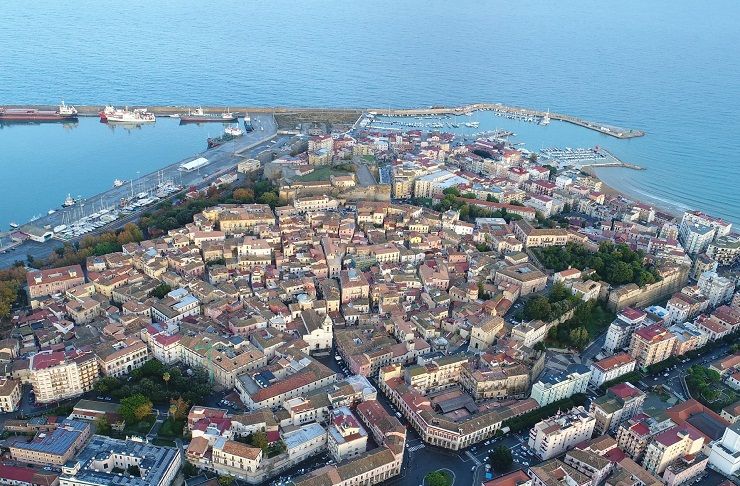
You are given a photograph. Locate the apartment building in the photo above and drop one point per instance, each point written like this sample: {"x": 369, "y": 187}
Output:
{"x": 620, "y": 403}
{"x": 553, "y": 436}
{"x": 525, "y": 275}
{"x": 10, "y": 394}
{"x": 176, "y": 306}
{"x": 56, "y": 375}
{"x": 651, "y": 344}
{"x": 234, "y": 458}
{"x": 346, "y": 437}
{"x": 620, "y": 330}
{"x": 611, "y": 368}
{"x": 437, "y": 374}
{"x": 223, "y": 360}
{"x": 670, "y": 445}
{"x": 553, "y": 387}
{"x": 121, "y": 358}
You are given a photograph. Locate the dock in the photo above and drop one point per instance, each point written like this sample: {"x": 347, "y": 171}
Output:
{"x": 319, "y": 112}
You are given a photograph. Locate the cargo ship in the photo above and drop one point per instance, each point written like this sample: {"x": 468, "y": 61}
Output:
{"x": 199, "y": 116}
{"x": 135, "y": 116}
{"x": 230, "y": 133}
{"x": 63, "y": 113}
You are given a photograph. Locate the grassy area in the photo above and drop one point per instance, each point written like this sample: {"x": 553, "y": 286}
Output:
{"x": 171, "y": 428}
{"x": 438, "y": 478}
{"x": 598, "y": 321}
{"x": 322, "y": 174}
{"x": 164, "y": 442}
{"x": 139, "y": 428}
{"x": 369, "y": 158}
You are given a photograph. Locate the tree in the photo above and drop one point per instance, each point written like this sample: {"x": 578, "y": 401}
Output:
{"x": 437, "y": 478}
{"x": 579, "y": 337}
{"x": 225, "y": 480}
{"x": 136, "y": 408}
{"x": 107, "y": 384}
{"x": 166, "y": 378}
{"x": 161, "y": 290}
{"x": 178, "y": 408}
{"x": 102, "y": 426}
{"x": 501, "y": 459}
{"x": 243, "y": 194}
{"x": 259, "y": 439}
{"x": 538, "y": 308}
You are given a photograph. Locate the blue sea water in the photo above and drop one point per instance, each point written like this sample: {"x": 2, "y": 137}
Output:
{"x": 670, "y": 68}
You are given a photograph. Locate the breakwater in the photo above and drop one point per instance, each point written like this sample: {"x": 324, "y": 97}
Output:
{"x": 515, "y": 111}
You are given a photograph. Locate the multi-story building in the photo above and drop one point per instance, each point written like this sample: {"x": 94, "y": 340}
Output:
{"x": 696, "y": 238}
{"x": 56, "y": 375}
{"x": 553, "y": 436}
{"x": 716, "y": 289}
{"x": 220, "y": 357}
{"x": 634, "y": 435}
{"x": 54, "y": 280}
{"x": 346, "y": 437}
{"x": 670, "y": 445}
{"x": 620, "y": 330}
{"x": 620, "y": 403}
{"x": 725, "y": 250}
{"x": 176, "y": 306}
{"x": 317, "y": 330}
{"x": 234, "y": 458}
{"x": 55, "y": 446}
{"x": 103, "y": 458}
{"x": 353, "y": 285}
{"x": 610, "y": 368}
{"x": 525, "y": 275}
{"x": 10, "y": 394}
{"x": 437, "y": 374}
{"x": 554, "y": 387}
{"x": 725, "y": 453}
{"x": 651, "y": 344}
{"x": 121, "y": 358}
{"x": 554, "y": 472}
{"x": 708, "y": 226}
{"x": 589, "y": 463}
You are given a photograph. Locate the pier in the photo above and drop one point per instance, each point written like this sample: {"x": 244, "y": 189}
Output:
{"x": 318, "y": 112}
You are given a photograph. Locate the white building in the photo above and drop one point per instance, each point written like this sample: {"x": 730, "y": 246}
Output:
{"x": 696, "y": 238}
{"x": 621, "y": 329}
{"x": 552, "y": 388}
{"x": 555, "y": 435}
{"x": 725, "y": 452}
{"x": 317, "y": 330}
{"x": 716, "y": 289}
{"x": 611, "y": 368}
{"x": 346, "y": 437}
{"x": 436, "y": 182}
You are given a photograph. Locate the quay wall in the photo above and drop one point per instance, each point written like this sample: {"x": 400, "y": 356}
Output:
{"x": 617, "y": 132}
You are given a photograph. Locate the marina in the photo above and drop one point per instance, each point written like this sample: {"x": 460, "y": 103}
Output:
{"x": 583, "y": 157}
{"x": 76, "y": 216}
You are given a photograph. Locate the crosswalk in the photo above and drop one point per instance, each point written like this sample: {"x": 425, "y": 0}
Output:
{"x": 475, "y": 460}
{"x": 416, "y": 447}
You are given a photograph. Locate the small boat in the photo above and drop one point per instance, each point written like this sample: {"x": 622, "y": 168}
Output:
{"x": 13, "y": 224}
{"x": 51, "y": 211}
{"x": 545, "y": 119}
{"x": 68, "y": 201}
{"x": 248, "y": 123}
{"x": 118, "y": 183}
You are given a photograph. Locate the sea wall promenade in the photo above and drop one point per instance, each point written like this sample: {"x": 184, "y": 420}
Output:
{"x": 614, "y": 131}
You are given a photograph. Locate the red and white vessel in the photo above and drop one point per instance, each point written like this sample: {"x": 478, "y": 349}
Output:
{"x": 110, "y": 114}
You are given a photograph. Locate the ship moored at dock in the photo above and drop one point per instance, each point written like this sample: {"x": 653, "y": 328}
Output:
{"x": 63, "y": 113}
{"x": 200, "y": 116}
{"x": 136, "y": 116}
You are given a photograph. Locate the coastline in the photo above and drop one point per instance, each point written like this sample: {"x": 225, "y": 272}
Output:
{"x": 613, "y": 189}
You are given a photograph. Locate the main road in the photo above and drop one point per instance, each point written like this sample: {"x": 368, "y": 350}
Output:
{"x": 221, "y": 160}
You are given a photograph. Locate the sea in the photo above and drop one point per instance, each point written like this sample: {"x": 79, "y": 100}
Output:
{"x": 670, "y": 68}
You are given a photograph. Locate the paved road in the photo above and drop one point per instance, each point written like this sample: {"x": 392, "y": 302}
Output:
{"x": 364, "y": 176}
{"x": 222, "y": 159}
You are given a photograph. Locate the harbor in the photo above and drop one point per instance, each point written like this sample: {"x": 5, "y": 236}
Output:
{"x": 580, "y": 158}
{"x": 124, "y": 201}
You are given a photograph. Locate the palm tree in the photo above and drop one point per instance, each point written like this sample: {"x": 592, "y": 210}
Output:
{"x": 166, "y": 377}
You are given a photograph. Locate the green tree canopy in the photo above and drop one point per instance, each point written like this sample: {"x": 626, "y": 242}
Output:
{"x": 136, "y": 408}
{"x": 501, "y": 459}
